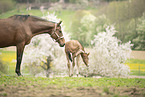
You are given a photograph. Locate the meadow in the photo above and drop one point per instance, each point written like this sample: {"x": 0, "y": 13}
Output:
{"x": 71, "y": 86}
{"x": 13, "y": 86}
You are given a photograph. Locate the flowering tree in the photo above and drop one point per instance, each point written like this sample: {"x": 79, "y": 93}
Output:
{"x": 139, "y": 40}
{"x": 91, "y": 25}
{"x": 109, "y": 54}
{"x": 43, "y": 50}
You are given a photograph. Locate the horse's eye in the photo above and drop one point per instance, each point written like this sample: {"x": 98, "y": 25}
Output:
{"x": 60, "y": 32}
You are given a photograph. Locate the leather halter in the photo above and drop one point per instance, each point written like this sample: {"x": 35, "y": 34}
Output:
{"x": 54, "y": 32}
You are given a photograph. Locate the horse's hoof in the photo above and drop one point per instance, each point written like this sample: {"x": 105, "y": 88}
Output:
{"x": 19, "y": 74}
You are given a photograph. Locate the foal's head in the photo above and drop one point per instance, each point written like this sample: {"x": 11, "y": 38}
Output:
{"x": 58, "y": 35}
{"x": 85, "y": 58}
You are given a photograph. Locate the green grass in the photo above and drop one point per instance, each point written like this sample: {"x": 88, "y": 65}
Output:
{"x": 137, "y": 61}
{"x": 70, "y": 86}
{"x": 137, "y": 67}
{"x": 9, "y": 57}
{"x": 72, "y": 82}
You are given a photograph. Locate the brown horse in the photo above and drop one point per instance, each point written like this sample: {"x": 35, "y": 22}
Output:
{"x": 74, "y": 49}
{"x": 18, "y": 31}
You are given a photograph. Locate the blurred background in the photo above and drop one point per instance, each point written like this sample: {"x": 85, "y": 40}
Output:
{"x": 85, "y": 18}
{"x": 127, "y": 15}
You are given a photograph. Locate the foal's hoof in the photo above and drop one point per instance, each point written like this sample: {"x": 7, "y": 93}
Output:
{"x": 71, "y": 75}
{"x": 85, "y": 75}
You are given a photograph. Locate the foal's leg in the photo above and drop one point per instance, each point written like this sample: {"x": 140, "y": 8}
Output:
{"x": 77, "y": 59}
{"x": 20, "y": 49}
{"x": 73, "y": 65}
{"x": 68, "y": 64}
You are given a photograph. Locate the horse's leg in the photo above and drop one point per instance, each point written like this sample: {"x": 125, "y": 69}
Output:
{"x": 77, "y": 59}
{"x": 20, "y": 49}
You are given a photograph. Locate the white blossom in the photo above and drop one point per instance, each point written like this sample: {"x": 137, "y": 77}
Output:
{"x": 108, "y": 55}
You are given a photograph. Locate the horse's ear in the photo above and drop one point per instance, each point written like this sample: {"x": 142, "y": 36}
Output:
{"x": 59, "y": 23}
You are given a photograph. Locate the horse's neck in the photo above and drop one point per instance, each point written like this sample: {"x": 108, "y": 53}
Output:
{"x": 41, "y": 27}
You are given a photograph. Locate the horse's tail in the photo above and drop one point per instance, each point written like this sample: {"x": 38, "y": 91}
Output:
{"x": 70, "y": 57}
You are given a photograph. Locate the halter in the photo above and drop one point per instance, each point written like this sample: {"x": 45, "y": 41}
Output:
{"x": 54, "y": 32}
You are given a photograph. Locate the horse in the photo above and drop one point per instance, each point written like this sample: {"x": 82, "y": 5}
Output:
{"x": 73, "y": 49}
{"x": 18, "y": 30}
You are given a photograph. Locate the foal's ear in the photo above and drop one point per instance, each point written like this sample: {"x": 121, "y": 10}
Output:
{"x": 88, "y": 53}
{"x": 59, "y": 23}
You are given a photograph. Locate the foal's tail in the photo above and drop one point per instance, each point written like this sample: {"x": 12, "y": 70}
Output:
{"x": 70, "y": 57}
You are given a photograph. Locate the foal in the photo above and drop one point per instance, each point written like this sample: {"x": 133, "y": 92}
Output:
{"x": 74, "y": 49}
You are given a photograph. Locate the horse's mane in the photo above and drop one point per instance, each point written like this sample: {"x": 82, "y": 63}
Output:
{"x": 25, "y": 17}
{"x": 20, "y": 17}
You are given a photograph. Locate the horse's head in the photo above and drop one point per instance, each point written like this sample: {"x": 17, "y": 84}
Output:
{"x": 85, "y": 57}
{"x": 58, "y": 35}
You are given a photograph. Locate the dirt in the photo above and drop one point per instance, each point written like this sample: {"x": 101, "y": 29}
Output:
{"x": 138, "y": 55}
{"x": 39, "y": 91}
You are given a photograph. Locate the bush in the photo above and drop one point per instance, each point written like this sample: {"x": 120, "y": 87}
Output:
{"x": 6, "y": 5}
{"x": 109, "y": 55}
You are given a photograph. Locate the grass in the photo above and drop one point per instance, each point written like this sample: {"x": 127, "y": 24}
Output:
{"x": 9, "y": 57}
{"x": 13, "y": 86}
{"x": 137, "y": 67}
{"x": 72, "y": 82}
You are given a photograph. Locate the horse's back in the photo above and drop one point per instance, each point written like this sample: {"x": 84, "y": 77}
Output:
{"x": 8, "y": 30}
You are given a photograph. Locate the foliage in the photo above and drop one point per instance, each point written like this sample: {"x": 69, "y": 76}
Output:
{"x": 123, "y": 13}
{"x": 139, "y": 41}
{"x": 6, "y": 5}
{"x": 88, "y": 26}
{"x": 109, "y": 55}
{"x": 86, "y": 29}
